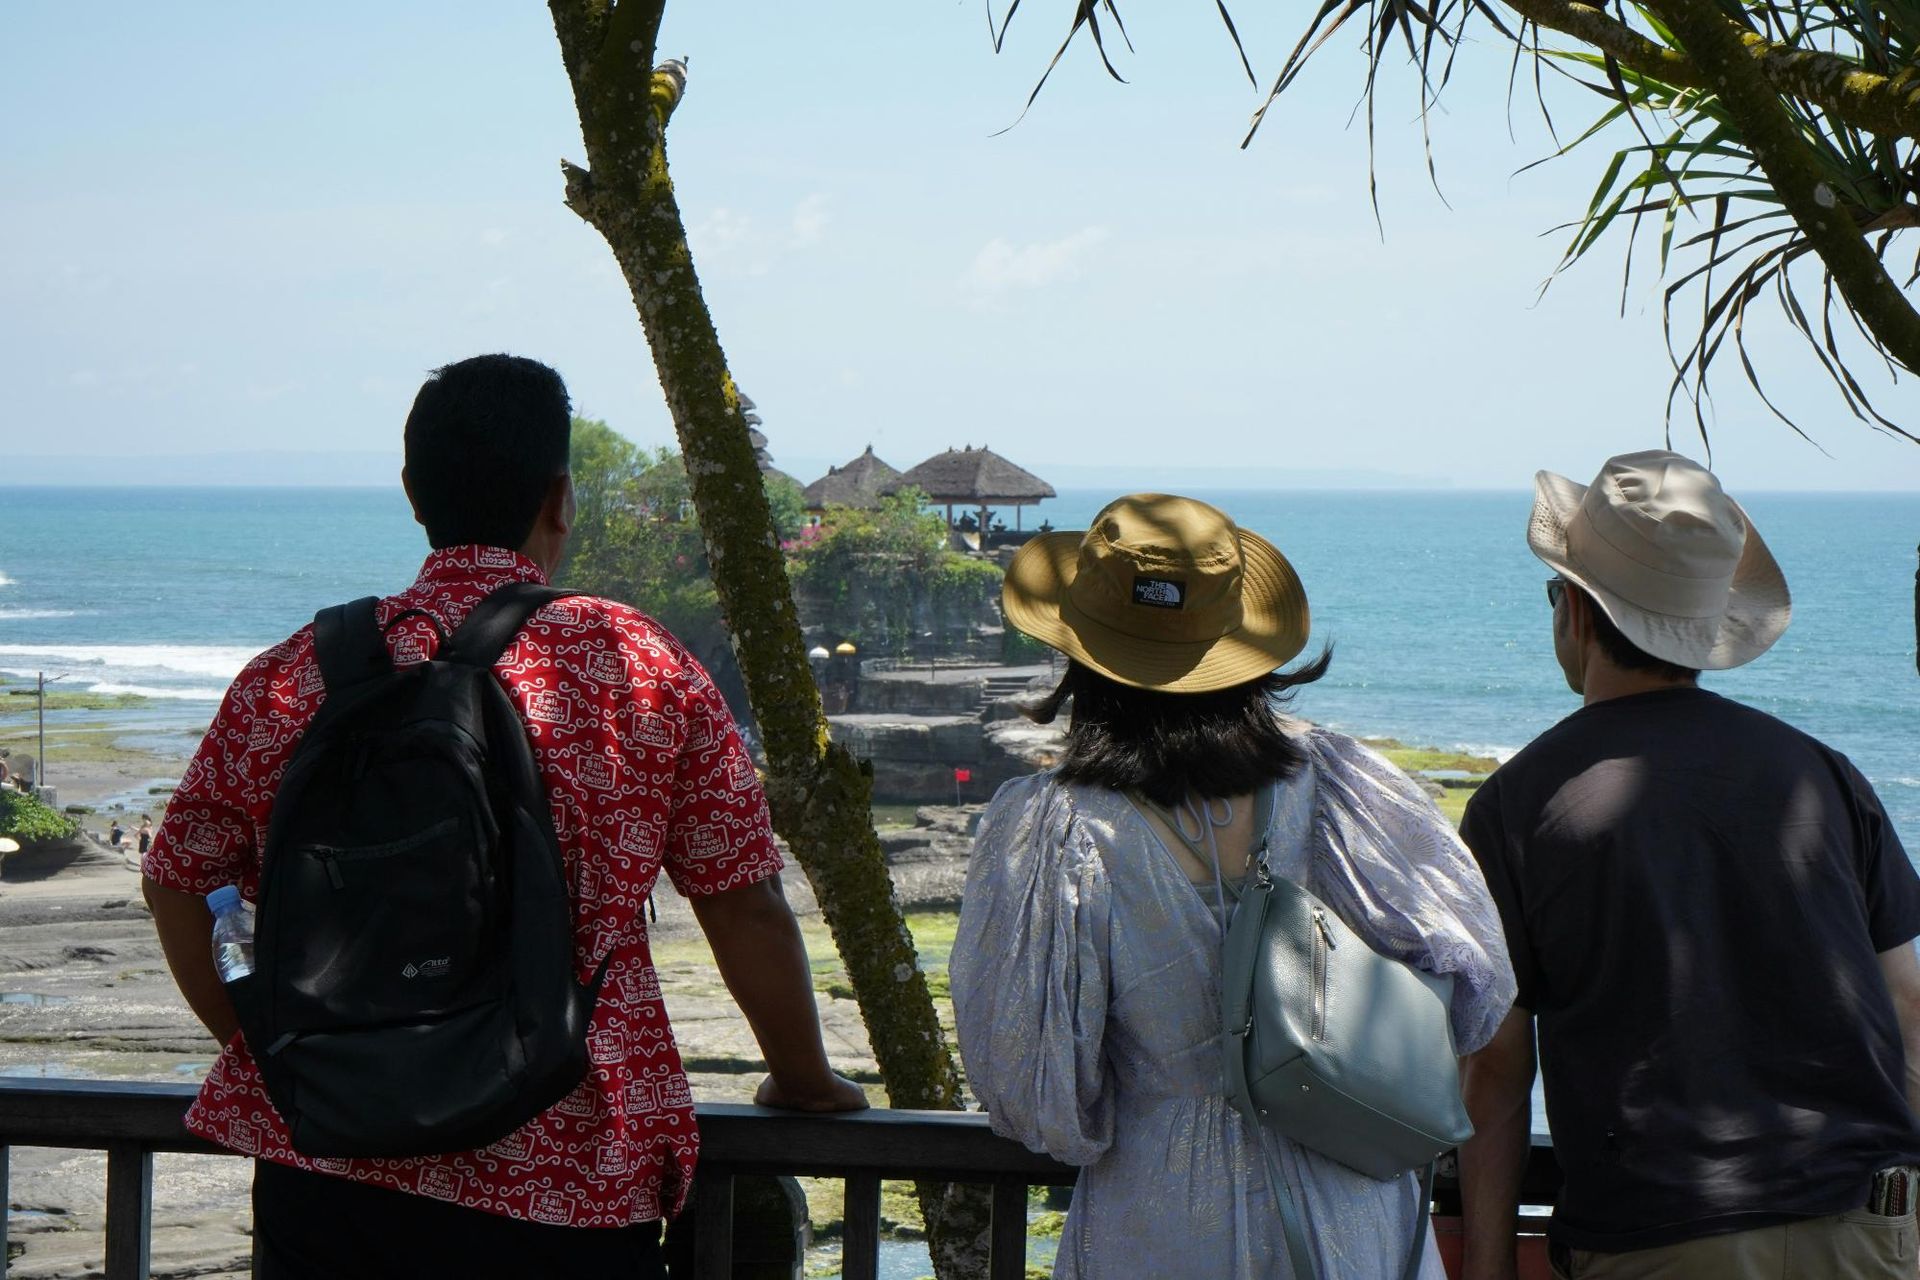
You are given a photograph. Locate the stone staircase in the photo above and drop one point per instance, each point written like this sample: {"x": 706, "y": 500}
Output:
{"x": 998, "y": 688}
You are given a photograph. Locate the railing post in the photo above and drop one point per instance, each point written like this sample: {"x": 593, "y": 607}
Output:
{"x": 129, "y": 1211}
{"x": 713, "y": 1226}
{"x": 860, "y": 1228}
{"x": 1009, "y": 1232}
{"x": 6, "y": 1205}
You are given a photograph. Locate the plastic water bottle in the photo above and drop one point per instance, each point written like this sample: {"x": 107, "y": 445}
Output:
{"x": 232, "y": 933}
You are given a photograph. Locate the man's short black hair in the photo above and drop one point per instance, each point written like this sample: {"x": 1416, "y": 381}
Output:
{"x": 1624, "y": 653}
{"x": 1166, "y": 746}
{"x": 485, "y": 440}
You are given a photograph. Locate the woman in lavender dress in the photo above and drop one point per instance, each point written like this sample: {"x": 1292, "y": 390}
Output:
{"x": 1086, "y": 974}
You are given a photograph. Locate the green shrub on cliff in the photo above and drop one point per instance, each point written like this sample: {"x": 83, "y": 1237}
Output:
{"x": 27, "y": 820}
{"x": 886, "y": 578}
{"x": 635, "y": 540}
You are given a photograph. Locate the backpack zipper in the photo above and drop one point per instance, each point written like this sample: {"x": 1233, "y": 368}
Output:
{"x": 1323, "y": 944}
{"x": 331, "y": 856}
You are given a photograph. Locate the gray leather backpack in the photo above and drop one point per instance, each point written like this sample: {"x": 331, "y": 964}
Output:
{"x": 1329, "y": 1043}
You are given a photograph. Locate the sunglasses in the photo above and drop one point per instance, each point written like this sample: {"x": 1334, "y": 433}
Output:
{"x": 1556, "y": 591}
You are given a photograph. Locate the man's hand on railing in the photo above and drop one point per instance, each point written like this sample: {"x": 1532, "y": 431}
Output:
{"x": 834, "y": 1093}
{"x": 763, "y": 960}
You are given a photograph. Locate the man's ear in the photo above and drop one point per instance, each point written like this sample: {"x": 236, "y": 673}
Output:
{"x": 558, "y": 511}
{"x": 406, "y": 486}
{"x": 1580, "y": 607}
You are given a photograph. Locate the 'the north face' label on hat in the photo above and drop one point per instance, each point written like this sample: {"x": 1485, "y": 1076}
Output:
{"x": 1160, "y": 593}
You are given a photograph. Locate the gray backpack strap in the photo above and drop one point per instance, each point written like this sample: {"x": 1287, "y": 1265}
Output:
{"x": 1295, "y": 1230}
{"x": 1290, "y": 1224}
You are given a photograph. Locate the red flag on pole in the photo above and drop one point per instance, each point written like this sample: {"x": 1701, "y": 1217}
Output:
{"x": 963, "y": 775}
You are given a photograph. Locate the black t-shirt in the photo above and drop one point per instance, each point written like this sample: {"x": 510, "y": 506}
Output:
{"x": 1694, "y": 894}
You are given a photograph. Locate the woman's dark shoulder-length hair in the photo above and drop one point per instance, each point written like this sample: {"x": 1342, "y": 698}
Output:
{"x": 1227, "y": 742}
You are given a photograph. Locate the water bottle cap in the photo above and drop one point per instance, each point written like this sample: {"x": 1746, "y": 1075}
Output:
{"x": 225, "y": 898}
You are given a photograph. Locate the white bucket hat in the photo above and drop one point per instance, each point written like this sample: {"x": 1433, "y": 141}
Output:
{"x": 1669, "y": 557}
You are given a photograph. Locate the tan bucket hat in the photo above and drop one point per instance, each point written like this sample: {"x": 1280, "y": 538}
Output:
{"x": 1161, "y": 593}
{"x": 1671, "y": 559}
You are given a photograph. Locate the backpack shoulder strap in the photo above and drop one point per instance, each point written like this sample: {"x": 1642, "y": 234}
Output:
{"x": 348, "y": 644}
{"x": 491, "y": 627}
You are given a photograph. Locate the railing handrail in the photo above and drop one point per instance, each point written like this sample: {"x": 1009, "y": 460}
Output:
{"x": 131, "y": 1120}
{"x": 894, "y": 1143}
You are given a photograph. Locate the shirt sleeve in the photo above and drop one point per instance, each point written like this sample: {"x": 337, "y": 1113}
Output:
{"x": 207, "y": 838}
{"x": 1393, "y": 867}
{"x": 720, "y": 835}
{"x": 1029, "y": 970}
{"x": 1484, "y": 833}
{"x": 1887, "y": 877}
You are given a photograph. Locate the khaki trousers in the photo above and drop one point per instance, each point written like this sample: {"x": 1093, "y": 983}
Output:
{"x": 1855, "y": 1245}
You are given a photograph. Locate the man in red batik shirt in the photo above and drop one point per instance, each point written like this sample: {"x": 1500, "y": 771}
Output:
{"x": 644, "y": 770}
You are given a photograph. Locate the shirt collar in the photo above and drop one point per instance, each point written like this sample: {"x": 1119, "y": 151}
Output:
{"x": 494, "y": 566}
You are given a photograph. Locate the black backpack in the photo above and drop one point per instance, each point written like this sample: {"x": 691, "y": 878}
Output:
{"x": 413, "y": 990}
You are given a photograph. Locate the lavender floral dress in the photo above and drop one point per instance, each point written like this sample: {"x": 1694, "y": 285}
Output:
{"x": 1086, "y": 981}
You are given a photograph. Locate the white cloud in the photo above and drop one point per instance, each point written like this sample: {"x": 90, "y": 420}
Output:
{"x": 1000, "y": 267}
{"x": 735, "y": 243}
{"x": 721, "y": 234}
{"x": 809, "y": 219}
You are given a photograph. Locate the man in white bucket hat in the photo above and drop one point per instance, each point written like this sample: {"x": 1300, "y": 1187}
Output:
{"x": 1710, "y": 919}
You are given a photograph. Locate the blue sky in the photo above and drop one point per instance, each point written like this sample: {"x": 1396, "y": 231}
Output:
{"x": 235, "y": 229}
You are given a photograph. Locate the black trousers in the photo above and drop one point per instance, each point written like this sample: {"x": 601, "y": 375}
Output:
{"x": 313, "y": 1226}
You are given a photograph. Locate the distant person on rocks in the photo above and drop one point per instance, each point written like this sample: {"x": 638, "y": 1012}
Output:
{"x": 146, "y": 834}
{"x": 1712, "y": 923}
{"x": 115, "y": 834}
{"x": 644, "y": 771}
{"x": 1087, "y": 970}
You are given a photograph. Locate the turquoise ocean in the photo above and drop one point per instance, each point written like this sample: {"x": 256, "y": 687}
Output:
{"x": 1434, "y": 606}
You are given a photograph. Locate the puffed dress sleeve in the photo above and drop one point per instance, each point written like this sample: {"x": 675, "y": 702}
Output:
{"x": 1029, "y": 972}
{"x": 1396, "y": 871}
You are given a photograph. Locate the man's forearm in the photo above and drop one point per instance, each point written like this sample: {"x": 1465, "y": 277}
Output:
{"x": 1498, "y": 1083}
{"x": 185, "y": 927}
{"x": 1901, "y": 969}
{"x": 1492, "y": 1164}
{"x": 763, "y": 960}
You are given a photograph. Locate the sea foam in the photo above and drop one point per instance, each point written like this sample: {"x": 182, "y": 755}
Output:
{"x": 157, "y": 670}
{"x": 147, "y": 691}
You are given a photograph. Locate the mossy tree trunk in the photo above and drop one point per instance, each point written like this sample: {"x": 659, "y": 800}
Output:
{"x": 820, "y": 794}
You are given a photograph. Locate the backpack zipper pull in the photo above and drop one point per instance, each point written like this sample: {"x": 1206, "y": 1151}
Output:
{"x": 332, "y": 865}
{"x": 1326, "y": 930}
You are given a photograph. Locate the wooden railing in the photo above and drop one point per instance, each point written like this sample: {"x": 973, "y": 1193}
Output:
{"x": 131, "y": 1122}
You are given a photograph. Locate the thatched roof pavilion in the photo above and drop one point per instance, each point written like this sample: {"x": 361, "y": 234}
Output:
{"x": 858, "y": 484}
{"x": 975, "y": 478}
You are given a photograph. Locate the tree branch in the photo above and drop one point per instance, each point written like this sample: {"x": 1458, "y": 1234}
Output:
{"x": 1738, "y": 78}
{"x": 1888, "y": 106}
{"x": 1614, "y": 38}
{"x": 1885, "y": 105}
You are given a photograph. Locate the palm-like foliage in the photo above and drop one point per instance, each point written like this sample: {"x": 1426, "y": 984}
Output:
{"x": 1722, "y": 233}
{"x": 1700, "y": 184}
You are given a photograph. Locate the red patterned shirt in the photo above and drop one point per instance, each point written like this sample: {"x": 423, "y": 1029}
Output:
{"x": 643, "y": 768}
